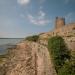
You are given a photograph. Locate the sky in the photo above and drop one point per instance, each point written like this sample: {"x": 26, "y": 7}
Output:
{"x": 21, "y": 18}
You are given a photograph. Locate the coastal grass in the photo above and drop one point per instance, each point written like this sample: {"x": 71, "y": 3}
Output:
{"x": 2, "y": 58}
{"x": 33, "y": 38}
{"x": 62, "y": 59}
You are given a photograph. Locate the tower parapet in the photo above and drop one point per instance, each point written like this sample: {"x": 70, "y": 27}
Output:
{"x": 60, "y": 22}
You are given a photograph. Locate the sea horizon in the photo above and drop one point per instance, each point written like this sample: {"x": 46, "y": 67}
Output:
{"x": 6, "y": 43}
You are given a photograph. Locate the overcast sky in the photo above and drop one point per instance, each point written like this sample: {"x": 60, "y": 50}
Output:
{"x": 20, "y": 18}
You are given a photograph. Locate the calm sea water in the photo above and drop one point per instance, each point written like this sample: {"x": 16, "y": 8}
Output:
{"x": 7, "y": 43}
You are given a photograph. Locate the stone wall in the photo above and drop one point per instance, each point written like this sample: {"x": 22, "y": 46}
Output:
{"x": 59, "y": 22}
{"x": 67, "y": 32}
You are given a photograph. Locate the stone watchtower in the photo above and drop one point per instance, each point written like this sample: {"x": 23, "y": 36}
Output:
{"x": 60, "y": 22}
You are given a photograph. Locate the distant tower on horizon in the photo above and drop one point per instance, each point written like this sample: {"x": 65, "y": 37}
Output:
{"x": 59, "y": 22}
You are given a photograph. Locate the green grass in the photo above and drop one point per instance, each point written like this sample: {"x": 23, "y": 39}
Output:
{"x": 32, "y": 38}
{"x": 63, "y": 59}
{"x": 2, "y": 57}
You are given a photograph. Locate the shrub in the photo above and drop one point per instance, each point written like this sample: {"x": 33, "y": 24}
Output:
{"x": 32, "y": 38}
{"x": 2, "y": 57}
{"x": 67, "y": 69}
{"x": 59, "y": 51}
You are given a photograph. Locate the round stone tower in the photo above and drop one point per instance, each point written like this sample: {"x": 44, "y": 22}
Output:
{"x": 60, "y": 22}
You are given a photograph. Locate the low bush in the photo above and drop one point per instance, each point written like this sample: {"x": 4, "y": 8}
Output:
{"x": 67, "y": 69}
{"x": 59, "y": 51}
{"x": 32, "y": 38}
{"x": 2, "y": 57}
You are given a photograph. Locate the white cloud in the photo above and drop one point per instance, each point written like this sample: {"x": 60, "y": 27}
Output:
{"x": 67, "y": 1}
{"x": 41, "y": 7}
{"x": 22, "y": 15}
{"x": 40, "y": 19}
{"x": 41, "y": 1}
{"x": 23, "y": 2}
{"x": 41, "y": 15}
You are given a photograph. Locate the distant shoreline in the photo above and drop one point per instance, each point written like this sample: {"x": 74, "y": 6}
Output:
{"x": 11, "y": 38}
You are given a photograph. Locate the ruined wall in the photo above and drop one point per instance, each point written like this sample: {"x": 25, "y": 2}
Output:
{"x": 59, "y": 22}
{"x": 67, "y": 32}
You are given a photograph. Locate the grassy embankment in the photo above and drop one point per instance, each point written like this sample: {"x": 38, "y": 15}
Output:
{"x": 63, "y": 58}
